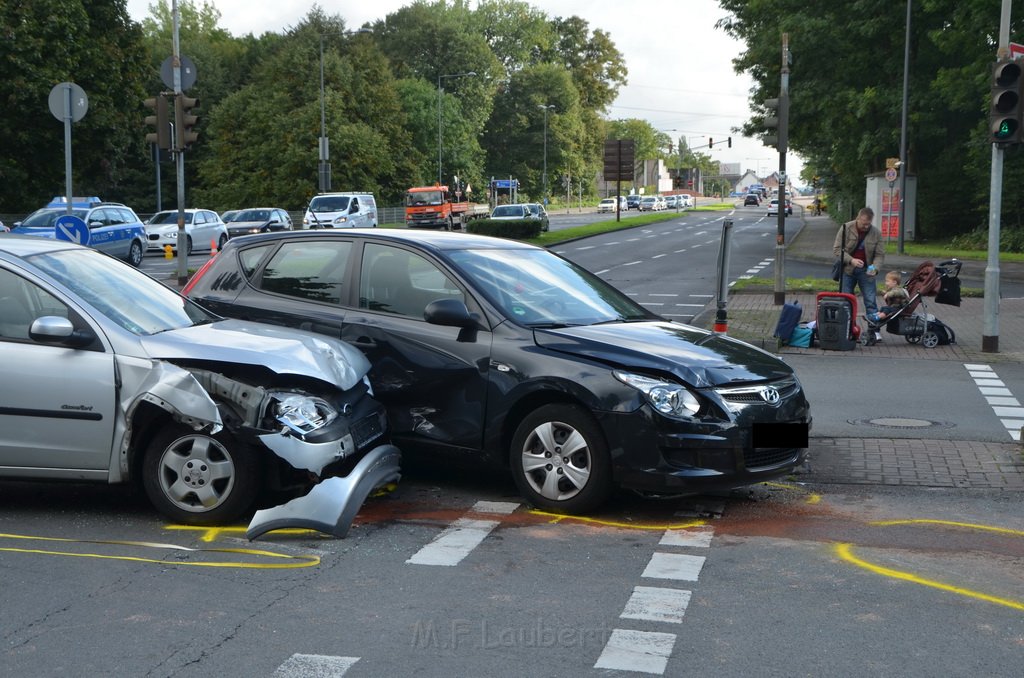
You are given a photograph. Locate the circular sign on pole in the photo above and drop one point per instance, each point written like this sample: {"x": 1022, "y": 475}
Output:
{"x": 891, "y": 174}
{"x": 79, "y": 102}
{"x": 71, "y": 228}
{"x": 188, "y": 73}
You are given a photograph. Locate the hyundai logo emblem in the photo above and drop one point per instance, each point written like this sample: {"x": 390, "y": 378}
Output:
{"x": 770, "y": 394}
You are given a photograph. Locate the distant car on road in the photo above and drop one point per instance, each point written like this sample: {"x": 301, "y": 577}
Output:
{"x": 514, "y": 211}
{"x": 607, "y": 205}
{"x": 773, "y": 207}
{"x": 537, "y": 211}
{"x": 633, "y": 201}
{"x": 259, "y": 220}
{"x": 751, "y": 199}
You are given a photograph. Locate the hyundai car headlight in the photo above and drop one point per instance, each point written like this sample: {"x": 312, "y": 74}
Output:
{"x": 303, "y": 414}
{"x": 668, "y": 398}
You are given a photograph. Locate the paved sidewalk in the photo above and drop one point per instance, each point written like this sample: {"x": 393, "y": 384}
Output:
{"x": 871, "y": 460}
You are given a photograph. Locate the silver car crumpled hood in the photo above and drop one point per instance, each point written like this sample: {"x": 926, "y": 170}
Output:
{"x": 332, "y": 504}
{"x": 284, "y": 351}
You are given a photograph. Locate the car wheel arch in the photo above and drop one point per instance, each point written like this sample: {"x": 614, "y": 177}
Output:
{"x": 530, "y": 402}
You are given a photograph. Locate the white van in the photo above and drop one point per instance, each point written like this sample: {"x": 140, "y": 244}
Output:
{"x": 341, "y": 210}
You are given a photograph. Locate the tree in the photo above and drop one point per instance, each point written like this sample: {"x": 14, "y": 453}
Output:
{"x": 846, "y": 121}
{"x": 95, "y": 45}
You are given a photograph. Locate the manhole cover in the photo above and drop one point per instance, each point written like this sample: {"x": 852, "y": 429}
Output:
{"x": 901, "y": 422}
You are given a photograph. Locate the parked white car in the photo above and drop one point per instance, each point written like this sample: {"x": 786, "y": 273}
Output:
{"x": 204, "y": 230}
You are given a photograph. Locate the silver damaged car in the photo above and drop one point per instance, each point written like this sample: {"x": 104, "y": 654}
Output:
{"x": 110, "y": 376}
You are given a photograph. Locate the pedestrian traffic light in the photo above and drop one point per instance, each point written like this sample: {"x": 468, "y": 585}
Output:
{"x": 160, "y": 122}
{"x": 1005, "y": 104}
{"x": 729, "y": 140}
{"x": 711, "y": 142}
{"x": 184, "y": 121}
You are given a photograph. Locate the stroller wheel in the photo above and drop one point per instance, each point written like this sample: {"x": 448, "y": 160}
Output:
{"x": 930, "y": 340}
{"x": 912, "y": 338}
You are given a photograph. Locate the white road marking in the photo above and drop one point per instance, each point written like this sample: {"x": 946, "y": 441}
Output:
{"x": 692, "y": 538}
{"x": 663, "y": 294}
{"x": 502, "y": 507}
{"x": 677, "y": 566}
{"x": 314, "y": 666}
{"x": 650, "y": 603}
{"x": 454, "y": 543}
{"x": 637, "y": 651}
{"x": 659, "y": 256}
{"x": 1000, "y": 399}
{"x": 632, "y": 263}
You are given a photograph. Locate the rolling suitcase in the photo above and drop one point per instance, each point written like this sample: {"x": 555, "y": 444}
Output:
{"x": 836, "y": 322}
{"x": 789, "y": 318}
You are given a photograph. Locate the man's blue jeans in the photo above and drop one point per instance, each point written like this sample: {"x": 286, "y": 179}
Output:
{"x": 868, "y": 288}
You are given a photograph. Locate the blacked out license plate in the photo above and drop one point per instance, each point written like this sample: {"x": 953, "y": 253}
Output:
{"x": 776, "y": 434}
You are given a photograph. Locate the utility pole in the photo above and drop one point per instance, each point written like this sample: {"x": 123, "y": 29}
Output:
{"x": 180, "y": 152}
{"x": 780, "y": 238}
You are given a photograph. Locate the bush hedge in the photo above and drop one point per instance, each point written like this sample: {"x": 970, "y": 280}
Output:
{"x": 514, "y": 229}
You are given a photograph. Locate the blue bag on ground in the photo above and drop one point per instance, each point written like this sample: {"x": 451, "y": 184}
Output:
{"x": 802, "y": 336}
{"x": 789, "y": 318}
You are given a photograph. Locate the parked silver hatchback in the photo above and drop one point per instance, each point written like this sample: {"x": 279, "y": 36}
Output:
{"x": 110, "y": 376}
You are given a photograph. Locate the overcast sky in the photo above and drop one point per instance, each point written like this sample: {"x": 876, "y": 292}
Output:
{"x": 680, "y": 66}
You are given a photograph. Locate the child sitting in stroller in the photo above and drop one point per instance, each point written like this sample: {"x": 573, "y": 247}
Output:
{"x": 896, "y": 297}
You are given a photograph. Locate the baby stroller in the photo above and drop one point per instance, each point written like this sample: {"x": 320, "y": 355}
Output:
{"x": 912, "y": 321}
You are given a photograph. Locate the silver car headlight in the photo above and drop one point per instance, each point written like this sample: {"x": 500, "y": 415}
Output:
{"x": 303, "y": 414}
{"x": 668, "y": 398}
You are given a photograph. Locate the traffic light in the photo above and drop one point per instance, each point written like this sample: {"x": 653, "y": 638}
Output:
{"x": 1005, "y": 104}
{"x": 184, "y": 121}
{"x": 771, "y": 121}
{"x": 711, "y": 142}
{"x": 729, "y": 140}
{"x": 162, "y": 136}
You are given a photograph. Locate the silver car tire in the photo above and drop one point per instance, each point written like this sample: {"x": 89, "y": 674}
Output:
{"x": 560, "y": 460}
{"x": 198, "y": 479}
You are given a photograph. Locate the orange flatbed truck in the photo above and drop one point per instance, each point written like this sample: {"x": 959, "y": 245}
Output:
{"x": 432, "y": 207}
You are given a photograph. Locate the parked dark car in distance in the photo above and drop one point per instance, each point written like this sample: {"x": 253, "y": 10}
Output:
{"x": 503, "y": 351}
{"x": 258, "y": 220}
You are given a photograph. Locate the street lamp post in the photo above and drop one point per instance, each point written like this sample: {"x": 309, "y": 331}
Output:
{"x": 439, "y": 92}
{"x": 544, "y": 175}
{"x": 324, "y": 164}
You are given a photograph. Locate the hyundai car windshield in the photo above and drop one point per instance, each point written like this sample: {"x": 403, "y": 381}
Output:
{"x": 539, "y": 289}
{"x": 127, "y": 296}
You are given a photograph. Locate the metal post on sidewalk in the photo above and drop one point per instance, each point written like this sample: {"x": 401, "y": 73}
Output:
{"x": 721, "y": 325}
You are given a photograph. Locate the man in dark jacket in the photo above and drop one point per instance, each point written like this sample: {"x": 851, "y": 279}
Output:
{"x": 863, "y": 256}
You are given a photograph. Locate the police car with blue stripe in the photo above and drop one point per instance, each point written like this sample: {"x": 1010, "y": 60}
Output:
{"x": 112, "y": 227}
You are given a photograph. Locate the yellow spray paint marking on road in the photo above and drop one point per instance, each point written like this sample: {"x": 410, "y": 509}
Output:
{"x": 845, "y": 552}
{"x": 812, "y": 498}
{"x": 558, "y": 517}
{"x": 211, "y": 533}
{"x": 949, "y": 523}
{"x": 296, "y": 561}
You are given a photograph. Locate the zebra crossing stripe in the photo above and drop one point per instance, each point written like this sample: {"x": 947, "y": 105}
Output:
{"x": 322, "y": 666}
{"x": 1000, "y": 399}
{"x": 692, "y": 538}
{"x": 637, "y": 651}
{"x": 454, "y": 543}
{"x": 656, "y": 604}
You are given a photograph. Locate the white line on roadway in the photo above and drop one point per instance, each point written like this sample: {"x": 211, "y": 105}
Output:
{"x": 305, "y": 665}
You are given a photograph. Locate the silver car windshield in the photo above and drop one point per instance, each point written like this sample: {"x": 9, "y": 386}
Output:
{"x": 170, "y": 218}
{"x": 126, "y": 296}
{"x": 539, "y": 289}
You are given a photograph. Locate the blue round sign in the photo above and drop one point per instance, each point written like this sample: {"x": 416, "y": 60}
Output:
{"x": 71, "y": 228}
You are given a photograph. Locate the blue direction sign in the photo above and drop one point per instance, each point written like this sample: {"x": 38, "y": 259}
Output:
{"x": 71, "y": 228}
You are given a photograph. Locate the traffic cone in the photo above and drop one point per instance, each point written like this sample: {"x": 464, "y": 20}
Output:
{"x": 213, "y": 248}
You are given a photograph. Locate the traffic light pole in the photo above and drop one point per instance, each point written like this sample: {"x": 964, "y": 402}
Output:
{"x": 990, "y": 322}
{"x": 179, "y": 154}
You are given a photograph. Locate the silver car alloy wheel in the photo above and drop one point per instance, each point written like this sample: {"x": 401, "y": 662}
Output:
{"x": 196, "y": 473}
{"x": 556, "y": 461}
